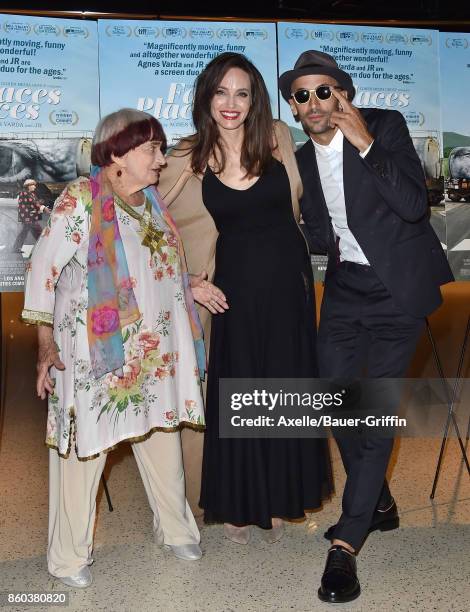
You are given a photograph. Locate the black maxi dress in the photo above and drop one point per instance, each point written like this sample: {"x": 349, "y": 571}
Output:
{"x": 262, "y": 266}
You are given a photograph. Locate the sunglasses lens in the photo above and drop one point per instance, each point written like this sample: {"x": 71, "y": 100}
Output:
{"x": 302, "y": 96}
{"x": 323, "y": 92}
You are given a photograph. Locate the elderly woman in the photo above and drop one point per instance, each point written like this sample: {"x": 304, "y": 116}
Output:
{"x": 108, "y": 287}
{"x": 234, "y": 188}
{"x": 30, "y": 209}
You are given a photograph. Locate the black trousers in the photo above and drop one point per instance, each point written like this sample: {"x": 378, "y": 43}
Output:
{"x": 35, "y": 229}
{"x": 363, "y": 333}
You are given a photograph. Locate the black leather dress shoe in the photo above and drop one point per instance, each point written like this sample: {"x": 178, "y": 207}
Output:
{"x": 339, "y": 582}
{"x": 385, "y": 520}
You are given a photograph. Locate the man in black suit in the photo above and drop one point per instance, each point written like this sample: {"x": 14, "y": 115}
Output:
{"x": 365, "y": 204}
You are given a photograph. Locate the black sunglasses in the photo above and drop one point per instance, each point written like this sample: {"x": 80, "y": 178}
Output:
{"x": 322, "y": 92}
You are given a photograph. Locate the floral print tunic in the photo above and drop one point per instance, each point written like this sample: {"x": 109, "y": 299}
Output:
{"x": 160, "y": 389}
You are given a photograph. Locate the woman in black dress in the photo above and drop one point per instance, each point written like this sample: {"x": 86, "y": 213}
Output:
{"x": 263, "y": 267}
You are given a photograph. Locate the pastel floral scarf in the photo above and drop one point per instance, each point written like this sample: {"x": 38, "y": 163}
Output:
{"x": 111, "y": 301}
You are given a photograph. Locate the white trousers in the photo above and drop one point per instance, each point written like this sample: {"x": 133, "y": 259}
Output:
{"x": 73, "y": 486}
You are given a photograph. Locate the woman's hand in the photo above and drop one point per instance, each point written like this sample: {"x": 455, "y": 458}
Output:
{"x": 207, "y": 294}
{"x": 47, "y": 356}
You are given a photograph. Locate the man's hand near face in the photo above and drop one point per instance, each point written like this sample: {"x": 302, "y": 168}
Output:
{"x": 349, "y": 120}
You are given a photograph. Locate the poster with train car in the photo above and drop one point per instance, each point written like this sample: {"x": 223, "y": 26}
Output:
{"x": 455, "y": 94}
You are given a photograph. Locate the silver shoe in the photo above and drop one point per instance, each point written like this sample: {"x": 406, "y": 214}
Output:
{"x": 187, "y": 552}
{"x": 274, "y": 534}
{"x": 82, "y": 580}
{"x": 159, "y": 537}
{"x": 240, "y": 535}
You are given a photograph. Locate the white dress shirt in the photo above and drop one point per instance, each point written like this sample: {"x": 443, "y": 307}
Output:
{"x": 330, "y": 167}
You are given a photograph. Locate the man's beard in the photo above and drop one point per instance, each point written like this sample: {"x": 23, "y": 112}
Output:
{"x": 316, "y": 127}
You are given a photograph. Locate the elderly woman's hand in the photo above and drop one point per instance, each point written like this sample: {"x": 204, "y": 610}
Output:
{"x": 207, "y": 294}
{"x": 47, "y": 356}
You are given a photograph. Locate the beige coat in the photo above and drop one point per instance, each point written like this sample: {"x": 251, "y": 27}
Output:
{"x": 182, "y": 191}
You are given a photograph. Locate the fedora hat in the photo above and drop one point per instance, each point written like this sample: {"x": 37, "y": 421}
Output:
{"x": 315, "y": 62}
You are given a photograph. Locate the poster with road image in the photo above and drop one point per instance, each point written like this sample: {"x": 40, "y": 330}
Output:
{"x": 455, "y": 94}
{"x": 48, "y": 111}
{"x": 391, "y": 68}
{"x": 33, "y": 172}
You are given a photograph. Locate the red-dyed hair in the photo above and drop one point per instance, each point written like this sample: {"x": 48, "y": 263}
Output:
{"x": 120, "y": 141}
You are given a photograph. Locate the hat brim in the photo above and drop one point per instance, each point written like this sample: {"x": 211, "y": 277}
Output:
{"x": 287, "y": 78}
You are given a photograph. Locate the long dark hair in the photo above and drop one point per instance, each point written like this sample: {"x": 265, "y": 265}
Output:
{"x": 258, "y": 140}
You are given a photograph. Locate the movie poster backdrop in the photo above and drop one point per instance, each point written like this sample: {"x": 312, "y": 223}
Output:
{"x": 455, "y": 96}
{"x": 392, "y": 68}
{"x": 51, "y": 98}
{"x": 49, "y": 107}
{"x": 161, "y": 60}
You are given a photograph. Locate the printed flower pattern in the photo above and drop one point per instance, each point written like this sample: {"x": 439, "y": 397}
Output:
{"x": 143, "y": 360}
{"x": 108, "y": 210}
{"x": 129, "y": 283}
{"x": 66, "y": 204}
{"x": 159, "y": 385}
{"x": 105, "y": 320}
{"x": 171, "y": 418}
{"x": 165, "y": 261}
